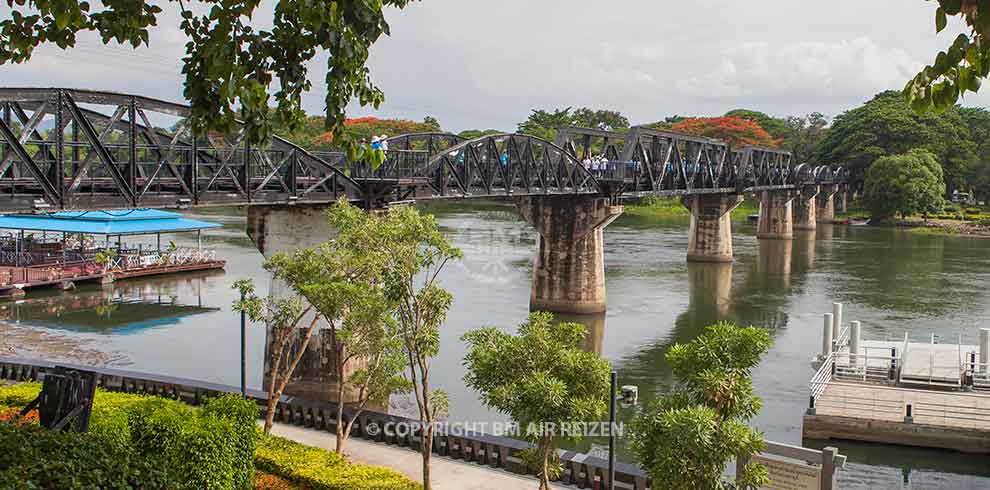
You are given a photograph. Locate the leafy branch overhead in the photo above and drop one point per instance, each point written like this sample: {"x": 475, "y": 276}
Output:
{"x": 962, "y": 66}
{"x": 229, "y": 66}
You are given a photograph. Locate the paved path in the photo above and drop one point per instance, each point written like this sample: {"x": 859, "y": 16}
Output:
{"x": 448, "y": 474}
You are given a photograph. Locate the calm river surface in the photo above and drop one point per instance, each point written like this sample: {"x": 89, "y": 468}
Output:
{"x": 890, "y": 280}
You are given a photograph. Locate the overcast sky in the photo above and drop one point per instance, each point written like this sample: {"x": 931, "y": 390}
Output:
{"x": 486, "y": 64}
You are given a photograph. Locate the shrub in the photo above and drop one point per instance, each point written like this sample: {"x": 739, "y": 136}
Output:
{"x": 317, "y": 469}
{"x": 207, "y": 448}
{"x": 267, "y": 481}
{"x": 33, "y": 457}
{"x": 973, "y": 211}
{"x": 19, "y": 395}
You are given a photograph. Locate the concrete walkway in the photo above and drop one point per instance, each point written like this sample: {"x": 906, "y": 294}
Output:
{"x": 447, "y": 474}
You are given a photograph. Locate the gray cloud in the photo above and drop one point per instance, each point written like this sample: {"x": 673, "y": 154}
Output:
{"x": 487, "y": 64}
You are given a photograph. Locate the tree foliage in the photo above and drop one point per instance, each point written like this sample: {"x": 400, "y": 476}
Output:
{"x": 417, "y": 252}
{"x": 734, "y": 130}
{"x": 685, "y": 439}
{"x": 540, "y": 376}
{"x": 230, "y": 65}
{"x": 470, "y": 134}
{"x": 312, "y": 134}
{"x": 886, "y": 125}
{"x": 959, "y": 68}
{"x": 907, "y": 184}
{"x": 288, "y": 333}
{"x": 343, "y": 281}
{"x": 777, "y": 128}
{"x": 543, "y": 124}
{"x": 804, "y": 134}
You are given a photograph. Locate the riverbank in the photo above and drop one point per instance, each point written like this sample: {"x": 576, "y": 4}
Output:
{"x": 671, "y": 207}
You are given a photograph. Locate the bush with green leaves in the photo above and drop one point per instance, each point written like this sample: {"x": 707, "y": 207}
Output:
{"x": 37, "y": 458}
{"x": 905, "y": 184}
{"x": 316, "y": 469}
{"x": 541, "y": 377}
{"x": 197, "y": 448}
{"x": 686, "y": 438}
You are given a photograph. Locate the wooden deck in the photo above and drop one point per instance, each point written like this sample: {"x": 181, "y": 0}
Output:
{"x": 955, "y": 420}
{"x": 36, "y": 277}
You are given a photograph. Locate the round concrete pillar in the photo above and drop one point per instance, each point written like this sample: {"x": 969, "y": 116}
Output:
{"x": 569, "y": 265}
{"x": 710, "y": 233}
{"x": 776, "y": 221}
{"x": 805, "y": 207}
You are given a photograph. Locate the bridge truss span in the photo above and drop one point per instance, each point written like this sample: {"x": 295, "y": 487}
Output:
{"x": 82, "y": 149}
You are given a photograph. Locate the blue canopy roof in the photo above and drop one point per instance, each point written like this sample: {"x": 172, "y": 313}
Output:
{"x": 106, "y": 222}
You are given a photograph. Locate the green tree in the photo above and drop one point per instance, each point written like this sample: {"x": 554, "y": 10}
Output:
{"x": 886, "y": 125}
{"x": 417, "y": 253}
{"x": 288, "y": 337}
{"x": 776, "y": 127}
{"x": 342, "y": 279}
{"x": 907, "y": 184}
{"x": 230, "y": 65}
{"x": 978, "y": 178}
{"x": 686, "y": 438}
{"x": 541, "y": 377}
{"x": 470, "y": 134}
{"x": 803, "y": 135}
{"x": 543, "y": 124}
{"x": 962, "y": 66}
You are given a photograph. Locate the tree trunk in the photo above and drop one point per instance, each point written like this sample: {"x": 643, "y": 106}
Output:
{"x": 545, "y": 474}
{"x": 340, "y": 418}
{"x": 426, "y": 446}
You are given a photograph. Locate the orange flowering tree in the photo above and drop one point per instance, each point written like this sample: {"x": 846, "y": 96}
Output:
{"x": 736, "y": 131}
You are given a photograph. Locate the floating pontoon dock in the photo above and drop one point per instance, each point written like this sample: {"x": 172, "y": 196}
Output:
{"x": 66, "y": 247}
{"x": 925, "y": 394}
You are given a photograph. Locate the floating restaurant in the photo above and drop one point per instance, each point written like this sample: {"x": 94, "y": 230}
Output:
{"x": 60, "y": 249}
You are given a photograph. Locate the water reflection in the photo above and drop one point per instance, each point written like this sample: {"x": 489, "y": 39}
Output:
{"x": 595, "y": 326}
{"x": 123, "y": 308}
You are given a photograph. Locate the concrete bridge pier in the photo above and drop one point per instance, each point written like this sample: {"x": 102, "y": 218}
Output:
{"x": 569, "y": 266}
{"x": 776, "y": 221}
{"x": 710, "y": 235}
{"x": 286, "y": 229}
{"x": 826, "y": 203}
{"x": 805, "y": 207}
{"x": 842, "y": 198}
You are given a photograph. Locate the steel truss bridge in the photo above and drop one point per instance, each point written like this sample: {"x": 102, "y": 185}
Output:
{"x": 82, "y": 149}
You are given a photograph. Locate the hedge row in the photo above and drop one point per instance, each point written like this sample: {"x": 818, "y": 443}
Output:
{"x": 36, "y": 458}
{"x": 211, "y": 448}
{"x": 131, "y": 437}
{"x": 316, "y": 469}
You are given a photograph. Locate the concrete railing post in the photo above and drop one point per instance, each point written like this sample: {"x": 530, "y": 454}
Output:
{"x": 836, "y": 320}
{"x": 828, "y": 468}
{"x": 827, "y": 336}
{"x": 984, "y": 349}
{"x": 855, "y": 334}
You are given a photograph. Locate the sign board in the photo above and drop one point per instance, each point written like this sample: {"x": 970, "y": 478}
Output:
{"x": 790, "y": 475}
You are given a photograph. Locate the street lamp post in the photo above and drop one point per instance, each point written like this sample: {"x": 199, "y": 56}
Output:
{"x": 243, "y": 349}
{"x": 628, "y": 397}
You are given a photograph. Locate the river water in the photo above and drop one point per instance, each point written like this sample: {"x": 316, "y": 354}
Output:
{"x": 893, "y": 281}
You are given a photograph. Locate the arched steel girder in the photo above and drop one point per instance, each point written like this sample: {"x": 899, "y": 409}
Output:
{"x": 117, "y": 158}
{"x": 506, "y": 164}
